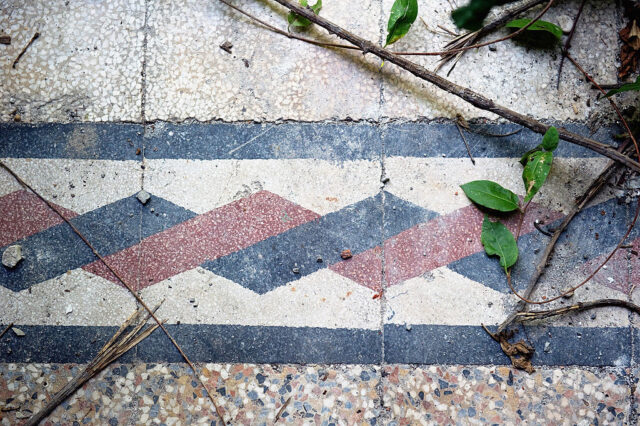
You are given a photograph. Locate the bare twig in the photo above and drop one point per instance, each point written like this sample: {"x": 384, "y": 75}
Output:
{"x": 474, "y": 98}
{"x": 289, "y": 34}
{"x": 613, "y": 104}
{"x": 281, "y": 410}
{"x": 466, "y": 144}
{"x": 567, "y": 44}
{"x": 34, "y": 38}
{"x": 578, "y": 307}
{"x": 122, "y": 280}
{"x": 7, "y": 328}
{"x": 118, "y": 345}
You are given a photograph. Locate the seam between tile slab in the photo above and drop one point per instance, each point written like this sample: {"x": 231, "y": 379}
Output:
{"x": 380, "y": 385}
{"x": 143, "y": 98}
{"x": 632, "y": 376}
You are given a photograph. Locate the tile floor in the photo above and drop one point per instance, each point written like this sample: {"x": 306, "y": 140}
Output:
{"x": 263, "y": 165}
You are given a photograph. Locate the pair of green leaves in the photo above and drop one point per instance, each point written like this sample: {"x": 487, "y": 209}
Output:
{"x": 495, "y": 237}
{"x": 301, "y": 22}
{"x": 402, "y": 16}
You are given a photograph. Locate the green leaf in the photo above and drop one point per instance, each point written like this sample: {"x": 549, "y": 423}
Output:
{"x": 536, "y": 172}
{"x": 498, "y": 240}
{"x": 301, "y": 22}
{"x": 539, "y": 34}
{"x": 491, "y": 195}
{"x": 539, "y": 25}
{"x": 472, "y": 15}
{"x": 625, "y": 88}
{"x": 526, "y": 155}
{"x": 550, "y": 142}
{"x": 403, "y": 14}
{"x": 550, "y": 139}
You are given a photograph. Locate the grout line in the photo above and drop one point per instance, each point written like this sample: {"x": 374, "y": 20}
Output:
{"x": 632, "y": 378}
{"x": 380, "y": 70}
{"x": 381, "y": 416}
{"x": 143, "y": 98}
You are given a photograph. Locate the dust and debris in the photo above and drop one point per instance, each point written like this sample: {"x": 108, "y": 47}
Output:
{"x": 227, "y": 46}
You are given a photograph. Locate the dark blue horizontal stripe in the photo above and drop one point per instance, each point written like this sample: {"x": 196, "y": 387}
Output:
{"x": 270, "y": 263}
{"x": 110, "y": 228}
{"x": 443, "y": 344}
{"x": 202, "y": 343}
{"x": 434, "y": 139}
{"x": 64, "y": 344}
{"x": 322, "y": 141}
{"x": 326, "y": 141}
{"x": 106, "y": 141}
{"x": 578, "y": 241}
{"x": 423, "y": 344}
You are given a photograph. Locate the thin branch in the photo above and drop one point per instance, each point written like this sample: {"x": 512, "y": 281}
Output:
{"x": 288, "y": 34}
{"x": 474, "y": 98}
{"x": 613, "y": 104}
{"x": 578, "y": 307}
{"x": 281, "y": 410}
{"x": 7, "y": 328}
{"x": 34, "y": 38}
{"x": 122, "y": 280}
{"x": 567, "y": 44}
{"x": 466, "y": 144}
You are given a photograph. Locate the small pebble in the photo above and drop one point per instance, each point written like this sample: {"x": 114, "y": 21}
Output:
{"x": 296, "y": 270}
{"x": 407, "y": 327}
{"x": 346, "y": 254}
{"x": 547, "y": 347}
{"x": 17, "y": 331}
{"x": 12, "y": 256}
{"x": 143, "y": 196}
{"x": 319, "y": 259}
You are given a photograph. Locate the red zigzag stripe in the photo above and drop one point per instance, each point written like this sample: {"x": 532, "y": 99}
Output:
{"x": 211, "y": 235}
{"x": 23, "y": 214}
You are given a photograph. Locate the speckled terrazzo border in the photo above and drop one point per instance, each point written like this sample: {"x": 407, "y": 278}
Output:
{"x": 253, "y": 394}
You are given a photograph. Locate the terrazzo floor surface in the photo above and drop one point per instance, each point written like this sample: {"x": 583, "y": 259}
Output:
{"x": 264, "y": 164}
